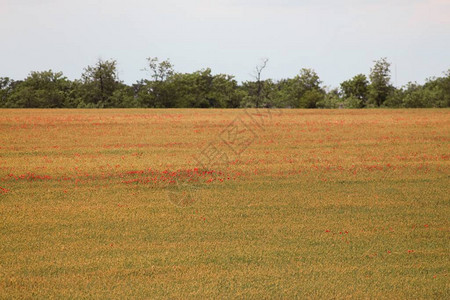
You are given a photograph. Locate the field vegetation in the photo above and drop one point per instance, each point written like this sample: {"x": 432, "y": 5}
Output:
{"x": 188, "y": 203}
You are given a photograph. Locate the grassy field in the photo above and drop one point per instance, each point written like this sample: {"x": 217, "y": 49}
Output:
{"x": 224, "y": 203}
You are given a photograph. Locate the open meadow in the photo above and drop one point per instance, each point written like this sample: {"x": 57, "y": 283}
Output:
{"x": 191, "y": 203}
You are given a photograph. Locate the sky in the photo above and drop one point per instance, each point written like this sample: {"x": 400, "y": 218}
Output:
{"x": 338, "y": 39}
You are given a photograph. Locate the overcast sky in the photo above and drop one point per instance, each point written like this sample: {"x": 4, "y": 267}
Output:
{"x": 338, "y": 39}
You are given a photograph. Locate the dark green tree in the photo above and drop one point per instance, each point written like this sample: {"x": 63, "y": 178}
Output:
{"x": 308, "y": 81}
{"x": 259, "y": 98}
{"x": 258, "y": 94}
{"x": 45, "y": 89}
{"x": 124, "y": 97}
{"x": 356, "y": 88}
{"x": 158, "y": 91}
{"x": 224, "y": 92}
{"x": 415, "y": 96}
{"x": 160, "y": 71}
{"x": 302, "y": 91}
{"x": 202, "y": 89}
{"x": 99, "y": 83}
{"x": 380, "y": 82}
{"x": 332, "y": 99}
{"x": 191, "y": 89}
{"x": 6, "y": 88}
{"x": 438, "y": 90}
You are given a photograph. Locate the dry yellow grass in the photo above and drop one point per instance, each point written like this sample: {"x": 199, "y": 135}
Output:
{"x": 183, "y": 204}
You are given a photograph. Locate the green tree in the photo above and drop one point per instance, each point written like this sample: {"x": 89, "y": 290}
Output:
{"x": 438, "y": 90}
{"x": 160, "y": 71}
{"x": 260, "y": 83}
{"x": 100, "y": 82}
{"x": 45, "y": 89}
{"x": 191, "y": 89}
{"x": 202, "y": 89}
{"x": 6, "y": 88}
{"x": 223, "y": 92}
{"x": 281, "y": 94}
{"x": 380, "y": 82}
{"x": 311, "y": 84}
{"x": 302, "y": 91}
{"x": 395, "y": 99}
{"x": 158, "y": 91}
{"x": 356, "y": 88}
{"x": 332, "y": 99}
{"x": 414, "y": 96}
{"x": 124, "y": 97}
{"x": 257, "y": 93}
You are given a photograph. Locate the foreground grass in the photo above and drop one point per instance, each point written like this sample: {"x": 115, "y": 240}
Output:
{"x": 322, "y": 204}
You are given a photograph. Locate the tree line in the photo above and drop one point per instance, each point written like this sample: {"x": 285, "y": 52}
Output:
{"x": 100, "y": 87}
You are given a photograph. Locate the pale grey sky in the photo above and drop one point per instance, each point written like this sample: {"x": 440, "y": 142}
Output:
{"x": 338, "y": 39}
